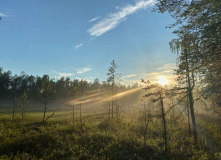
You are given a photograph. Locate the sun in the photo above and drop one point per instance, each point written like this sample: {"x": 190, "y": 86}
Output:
{"x": 162, "y": 80}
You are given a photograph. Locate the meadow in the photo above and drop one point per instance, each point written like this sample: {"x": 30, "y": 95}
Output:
{"x": 100, "y": 137}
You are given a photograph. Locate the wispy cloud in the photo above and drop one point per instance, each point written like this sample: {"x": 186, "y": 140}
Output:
{"x": 168, "y": 66}
{"x": 129, "y": 76}
{"x": 2, "y": 15}
{"x": 79, "y": 45}
{"x": 65, "y": 74}
{"x": 83, "y": 70}
{"x": 112, "y": 20}
{"x": 94, "y": 19}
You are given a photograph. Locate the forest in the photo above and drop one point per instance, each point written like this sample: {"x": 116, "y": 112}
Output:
{"x": 64, "y": 118}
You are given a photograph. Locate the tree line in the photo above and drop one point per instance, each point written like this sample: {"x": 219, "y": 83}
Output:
{"x": 37, "y": 88}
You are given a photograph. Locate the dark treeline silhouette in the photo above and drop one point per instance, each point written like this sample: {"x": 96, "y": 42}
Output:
{"x": 40, "y": 89}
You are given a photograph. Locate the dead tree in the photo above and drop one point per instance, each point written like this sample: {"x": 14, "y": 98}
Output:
{"x": 36, "y": 125}
{"x": 45, "y": 91}
{"x": 158, "y": 96}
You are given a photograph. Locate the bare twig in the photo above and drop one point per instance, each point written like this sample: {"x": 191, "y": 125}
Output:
{"x": 176, "y": 103}
{"x": 49, "y": 117}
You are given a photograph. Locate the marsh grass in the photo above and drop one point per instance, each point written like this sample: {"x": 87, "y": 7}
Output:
{"x": 101, "y": 138}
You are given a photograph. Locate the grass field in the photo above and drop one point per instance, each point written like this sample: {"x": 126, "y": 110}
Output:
{"x": 99, "y": 137}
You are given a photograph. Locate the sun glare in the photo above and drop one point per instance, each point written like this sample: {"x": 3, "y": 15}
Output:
{"x": 162, "y": 80}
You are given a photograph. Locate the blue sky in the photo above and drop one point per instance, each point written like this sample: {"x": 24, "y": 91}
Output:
{"x": 79, "y": 38}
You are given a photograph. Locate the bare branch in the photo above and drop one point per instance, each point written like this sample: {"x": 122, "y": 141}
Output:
{"x": 176, "y": 103}
{"x": 49, "y": 117}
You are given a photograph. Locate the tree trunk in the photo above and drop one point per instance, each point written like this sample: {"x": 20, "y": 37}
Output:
{"x": 80, "y": 113}
{"x": 112, "y": 105}
{"x": 188, "y": 108}
{"x": 192, "y": 115}
{"x": 113, "y": 97}
{"x": 44, "y": 111}
{"x": 190, "y": 94}
{"x": 164, "y": 121}
{"x": 109, "y": 109}
{"x": 188, "y": 116}
{"x": 23, "y": 109}
{"x": 81, "y": 101}
{"x": 73, "y": 115}
{"x": 13, "y": 112}
{"x": 145, "y": 113}
{"x": 173, "y": 113}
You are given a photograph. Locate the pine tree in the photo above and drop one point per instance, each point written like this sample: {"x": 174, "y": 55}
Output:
{"x": 113, "y": 76}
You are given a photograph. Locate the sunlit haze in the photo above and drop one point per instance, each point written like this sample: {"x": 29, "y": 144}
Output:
{"x": 162, "y": 80}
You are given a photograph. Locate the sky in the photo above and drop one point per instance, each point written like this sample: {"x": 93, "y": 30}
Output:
{"x": 79, "y": 39}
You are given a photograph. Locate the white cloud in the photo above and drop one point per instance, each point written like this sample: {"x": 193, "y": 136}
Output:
{"x": 129, "y": 76}
{"x": 112, "y": 20}
{"x": 83, "y": 70}
{"x": 2, "y": 15}
{"x": 65, "y": 74}
{"x": 94, "y": 19}
{"x": 78, "y": 46}
{"x": 168, "y": 66}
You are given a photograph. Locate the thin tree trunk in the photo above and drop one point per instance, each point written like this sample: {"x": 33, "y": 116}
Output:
{"x": 188, "y": 116}
{"x": 109, "y": 109}
{"x": 112, "y": 106}
{"x": 44, "y": 111}
{"x": 73, "y": 94}
{"x": 164, "y": 121}
{"x": 13, "y": 112}
{"x": 173, "y": 120}
{"x": 112, "y": 97}
{"x": 66, "y": 116}
{"x": 80, "y": 113}
{"x": 193, "y": 115}
{"x": 145, "y": 113}
{"x": 188, "y": 110}
{"x": 81, "y": 102}
{"x": 73, "y": 116}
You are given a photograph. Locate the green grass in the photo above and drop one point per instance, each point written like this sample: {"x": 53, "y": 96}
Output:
{"x": 101, "y": 138}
